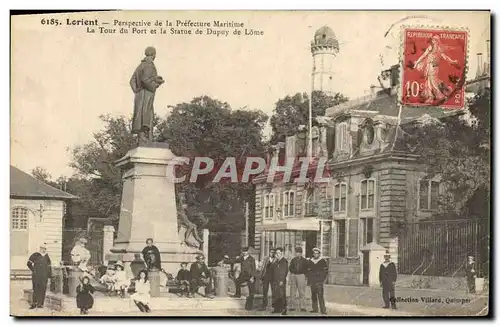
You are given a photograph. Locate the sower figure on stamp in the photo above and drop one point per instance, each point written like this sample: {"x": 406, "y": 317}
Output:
{"x": 298, "y": 270}
{"x": 247, "y": 275}
{"x": 40, "y": 266}
{"x": 428, "y": 62}
{"x": 144, "y": 83}
{"x": 267, "y": 277}
{"x": 317, "y": 271}
{"x": 470, "y": 273}
{"x": 387, "y": 278}
{"x": 280, "y": 271}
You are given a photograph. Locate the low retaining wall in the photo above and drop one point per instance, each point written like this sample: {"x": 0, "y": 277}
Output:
{"x": 343, "y": 274}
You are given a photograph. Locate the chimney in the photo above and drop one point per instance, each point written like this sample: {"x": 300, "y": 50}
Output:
{"x": 479, "y": 71}
{"x": 394, "y": 76}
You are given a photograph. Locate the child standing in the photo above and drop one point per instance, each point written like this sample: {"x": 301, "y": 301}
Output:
{"x": 84, "y": 299}
{"x": 184, "y": 279}
{"x": 142, "y": 295}
{"x": 121, "y": 281}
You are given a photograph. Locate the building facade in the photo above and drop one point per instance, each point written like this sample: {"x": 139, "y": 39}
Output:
{"x": 37, "y": 211}
{"x": 372, "y": 187}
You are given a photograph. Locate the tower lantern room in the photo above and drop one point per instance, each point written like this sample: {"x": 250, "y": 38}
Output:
{"x": 325, "y": 48}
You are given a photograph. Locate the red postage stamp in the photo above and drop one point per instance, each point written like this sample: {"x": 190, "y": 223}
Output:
{"x": 434, "y": 67}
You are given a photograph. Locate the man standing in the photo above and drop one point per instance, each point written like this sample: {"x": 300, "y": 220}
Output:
{"x": 470, "y": 273}
{"x": 267, "y": 277}
{"x": 144, "y": 83}
{"x": 247, "y": 275}
{"x": 316, "y": 276}
{"x": 387, "y": 278}
{"x": 280, "y": 271}
{"x": 298, "y": 270}
{"x": 200, "y": 276}
{"x": 41, "y": 270}
{"x": 151, "y": 256}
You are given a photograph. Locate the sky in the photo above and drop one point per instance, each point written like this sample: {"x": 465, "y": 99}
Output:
{"x": 63, "y": 79}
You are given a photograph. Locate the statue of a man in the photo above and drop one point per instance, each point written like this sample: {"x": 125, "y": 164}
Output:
{"x": 144, "y": 83}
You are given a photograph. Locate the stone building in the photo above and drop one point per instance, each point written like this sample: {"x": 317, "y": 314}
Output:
{"x": 37, "y": 211}
{"x": 372, "y": 186}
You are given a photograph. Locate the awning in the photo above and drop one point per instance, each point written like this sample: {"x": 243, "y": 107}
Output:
{"x": 304, "y": 224}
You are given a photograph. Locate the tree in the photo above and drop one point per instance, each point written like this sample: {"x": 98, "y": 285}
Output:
{"x": 292, "y": 111}
{"x": 41, "y": 174}
{"x": 458, "y": 150}
{"x": 98, "y": 182}
{"x": 206, "y": 127}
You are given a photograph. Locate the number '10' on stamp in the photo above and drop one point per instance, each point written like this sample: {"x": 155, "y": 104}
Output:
{"x": 434, "y": 67}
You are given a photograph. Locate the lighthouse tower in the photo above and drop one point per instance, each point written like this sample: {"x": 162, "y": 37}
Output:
{"x": 324, "y": 48}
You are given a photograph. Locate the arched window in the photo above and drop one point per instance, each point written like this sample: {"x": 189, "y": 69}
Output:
{"x": 19, "y": 219}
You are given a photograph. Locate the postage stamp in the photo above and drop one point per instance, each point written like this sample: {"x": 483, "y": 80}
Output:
{"x": 434, "y": 67}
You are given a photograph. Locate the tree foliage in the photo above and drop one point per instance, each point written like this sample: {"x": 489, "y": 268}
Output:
{"x": 206, "y": 127}
{"x": 41, "y": 174}
{"x": 97, "y": 181}
{"x": 458, "y": 150}
{"x": 292, "y": 111}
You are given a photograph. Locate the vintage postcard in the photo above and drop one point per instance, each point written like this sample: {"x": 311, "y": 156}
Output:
{"x": 250, "y": 163}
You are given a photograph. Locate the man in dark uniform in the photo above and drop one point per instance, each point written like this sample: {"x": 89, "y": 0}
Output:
{"x": 247, "y": 275}
{"x": 267, "y": 277}
{"x": 40, "y": 266}
{"x": 200, "y": 276}
{"x": 387, "y": 277}
{"x": 151, "y": 256}
{"x": 280, "y": 271}
{"x": 317, "y": 272}
{"x": 470, "y": 273}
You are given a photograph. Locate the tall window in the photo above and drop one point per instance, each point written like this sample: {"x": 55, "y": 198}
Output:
{"x": 367, "y": 194}
{"x": 310, "y": 204}
{"x": 342, "y": 137}
{"x": 340, "y": 198}
{"x": 428, "y": 194}
{"x": 366, "y": 230}
{"x": 341, "y": 231}
{"x": 20, "y": 219}
{"x": 288, "y": 203}
{"x": 269, "y": 202}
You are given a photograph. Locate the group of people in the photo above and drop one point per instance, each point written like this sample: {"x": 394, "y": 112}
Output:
{"x": 274, "y": 270}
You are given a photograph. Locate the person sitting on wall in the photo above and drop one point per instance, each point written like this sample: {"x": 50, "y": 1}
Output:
{"x": 201, "y": 276}
{"x": 184, "y": 279}
{"x": 80, "y": 255}
{"x": 151, "y": 256}
{"x": 109, "y": 280}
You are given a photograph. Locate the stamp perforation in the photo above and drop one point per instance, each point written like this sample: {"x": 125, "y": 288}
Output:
{"x": 401, "y": 58}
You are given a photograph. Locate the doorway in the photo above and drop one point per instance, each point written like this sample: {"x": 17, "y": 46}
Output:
{"x": 311, "y": 242}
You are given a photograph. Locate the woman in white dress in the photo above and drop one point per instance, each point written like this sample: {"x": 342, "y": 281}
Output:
{"x": 142, "y": 295}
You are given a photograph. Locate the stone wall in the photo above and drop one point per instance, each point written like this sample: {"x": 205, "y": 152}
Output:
{"x": 343, "y": 274}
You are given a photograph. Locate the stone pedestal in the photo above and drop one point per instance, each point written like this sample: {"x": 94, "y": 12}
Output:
{"x": 372, "y": 257}
{"x": 74, "y": 277}
{"x": 221, "y": 279}
{"x": 154, "y": 280}
{"x": 57, "y": 280}
{"x": 148, "y": 210}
